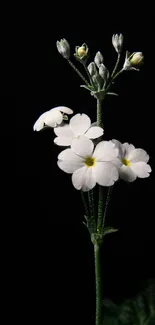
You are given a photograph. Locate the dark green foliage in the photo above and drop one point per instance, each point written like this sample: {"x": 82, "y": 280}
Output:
{"x": 137, "y": 311}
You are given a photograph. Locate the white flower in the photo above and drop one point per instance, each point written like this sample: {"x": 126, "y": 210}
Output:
{"x": 132, "y": 162}
{"x": 80, "y": 124}
{"x": 117, "y": 41}
{"x": 89, "y": 166}
{"x": 52, "y": 117}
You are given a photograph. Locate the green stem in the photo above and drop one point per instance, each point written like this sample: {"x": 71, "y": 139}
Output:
{"x": 106, "y": 205}
{"x": 118, "y": 73}
{"x": 91, "y": 203}
{"x": 116, "y": 65}
{"x": 78, "y": 72}
{"x": 99, "y": 112}
{"x": 85, "y": 204}
{"x": 100, "y": 209}
{"x": 98, "y": 285}
{"x": 88, "y": 74}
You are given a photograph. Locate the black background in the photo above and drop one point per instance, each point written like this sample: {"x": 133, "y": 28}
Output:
{"x": 55, "y": 253}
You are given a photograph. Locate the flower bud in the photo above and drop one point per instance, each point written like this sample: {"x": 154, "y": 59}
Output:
{"x": 98, "y": 59}
{"x": 92, "y": 69}
{"x": 103, "y": 71}
{"x": 117, "y": 41}
{"x": 133, "y": 61}
{"x": 137, "y": 59}
{"x": 63, "y": 48}
{"x": 81, "y": 52}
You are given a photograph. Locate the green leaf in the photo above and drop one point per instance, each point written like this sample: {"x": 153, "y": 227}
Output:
{"x": 109, "y": 230}
{"x": 90, "y": 88}
{"x": 113, "y": 94}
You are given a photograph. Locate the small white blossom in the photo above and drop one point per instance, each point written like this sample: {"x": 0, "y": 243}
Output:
{"x": 117, "y": 41}
{"x": 131, "y": 162}
{"x": 80, "y": 124}
{"x": 98, "y": 59}
{"x": 89, "y": 166}
{"x": 52, "y": 117}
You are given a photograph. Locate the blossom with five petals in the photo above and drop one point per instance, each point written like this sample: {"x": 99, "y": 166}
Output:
{"x": 80, "y": 124}
{"x": 88, "y": 165}
{"x": 131, "y": 162}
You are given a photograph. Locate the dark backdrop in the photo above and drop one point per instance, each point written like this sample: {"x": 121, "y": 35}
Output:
{"x": 56, "y": 257}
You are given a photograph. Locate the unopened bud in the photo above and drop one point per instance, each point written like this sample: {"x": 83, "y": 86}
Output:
{"x": 63, "y": 48}
{"x": 137, "y": 59}
{"x": 92, "y": 69}
{"x": 103, "y": 71}
{"x": 117, "y": 41}
{"x": 98, "y": 59}
{"x": 133, "y": 61}
{"x": 81, "y": 52}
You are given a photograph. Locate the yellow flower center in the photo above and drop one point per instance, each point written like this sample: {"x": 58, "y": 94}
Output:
{"x": 81, "y": 51}
{"x": 126, "y": 162}
{"x": 90, "y": 161}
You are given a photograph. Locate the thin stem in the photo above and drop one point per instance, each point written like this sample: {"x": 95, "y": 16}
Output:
{"x": 91, "y": 203}
{"x": 116, "y": 65}
{"x": 88, "y": 74}
{"x": 100, "y": 209}
{"x": 111, "y": 81}
{"x": 118, "y": 73}
{"x": 110, "y": 188}
{"x": 85, "y": 204}
{"x": 99, "y": 112}
{"x": 79, "y": 73}
{"x": 98, "y": 285}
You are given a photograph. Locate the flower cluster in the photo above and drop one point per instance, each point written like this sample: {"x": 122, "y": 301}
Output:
{"x": 88, "y": 163}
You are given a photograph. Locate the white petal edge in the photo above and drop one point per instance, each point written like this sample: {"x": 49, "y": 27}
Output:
{"x": 53, "y": 118}
{"x": 141, "y": 169}
{"x": 94, "y": 132}
{"x": 105, "y": 151}
{"x": 63, "y": 109}
{"x": 136, "y": 155}
{"x": 83, "y": 179}
{"x": 82, "y": 146}
{"x": 39, "y": 124}
{"x": 105, "y": 173}
{"x": 80, "y": 123}
{"x": 127, "y": 174}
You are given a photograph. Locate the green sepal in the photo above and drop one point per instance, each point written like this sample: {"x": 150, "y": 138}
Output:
{"x": 109, "y": 230}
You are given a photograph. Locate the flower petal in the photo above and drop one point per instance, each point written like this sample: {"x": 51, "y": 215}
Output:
{"x": 105, "y": 151}
{"x": 83, "y": 179}
{"x": 63, "y": 141}
{"x": 82, "y": 146}
{"x": 105, "y": 173}
{"x": 94, "y": 132}
{"x": 39, "y": 124}
{"x": 136, "y": 155}
{"x": 64, "y": 135}
{"x": 63, "y": 109}
{"x": 128, "y": 147}
{"x": 69, "y": 161}
{"x": 141, "y": 169}
{"x": 80, "y": 123}
{"x": 127, "y": 174}
{"x": 52, "y": 118}
{"x": 120, "y": 147}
